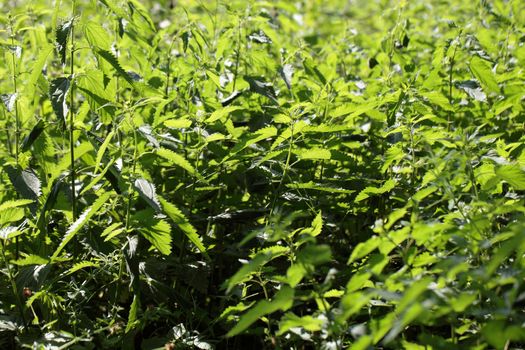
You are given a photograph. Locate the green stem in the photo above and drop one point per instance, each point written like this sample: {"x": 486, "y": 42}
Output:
{"x": 237, "y": 56}
{"x": 285, "y": 171}
{"x": 131, "y": 176}
{"x": 17, "y": 116}
{"x": 13, "y": 286}
{"x": 72, "y": 119}
{"x": 450, "y": 71}
{"x": 128, "y": 215}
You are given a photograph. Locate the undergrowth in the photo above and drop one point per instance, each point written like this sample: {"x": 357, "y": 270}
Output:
{"x": 262, "y": 174}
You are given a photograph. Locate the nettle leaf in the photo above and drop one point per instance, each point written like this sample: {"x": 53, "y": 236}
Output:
{"x": 369, "y": 191}
{"x": 9, "y": 101}
{"x": 138, "y": 7}
{"x": 498, "y": 333}
{"x": 91, "y": 85}
{"x": 37, "y": 69}
{"x": 282, "y": 301}
{"x": 31, "y": 260}
{"x": 156, "y": 231}
{"x": 259, "y": 37}
{"x": 313, "y": 153}
{"x": 62, "y": 35}
{"x": 82, "y": 220}
{"x": 102, "y": 150}
{"x": 25, "y": 181}
{"x": 317, "y": 226}
{"x": 482, "y": 71}
{"x": 221, "y": 114}
{"x": 180, "y": 123}
{"x": 229, "y": 100}
{"x": 182, "y": 222}
{"x": 473, "y": 89}
{"x": 290, "y": 320}
{"x": 15, "y": 204}
{"x": 146, "y": 190}
{"x": 113, "y": 61}
{"x": 117, "y": 9}
{"x": 176, "y": 159}
{"x": 259, "y": 260}
{"x": 513, "y": 174}
{"x": 133, "y": 314}
{"x": 319, "y": 187}
{"x": 250, "y": 139}
{"x": 315, "y": 254}
{"x": 438, "y": 99}
{"x": 312, "y": 71}
{"x": 58, "y": 91}
{"x": 33, "y": 135}
{"x": 50, "y": 202}
{"x": 260, "y": 87}
{"x": 97, "y": 36}
{"x": 286, "y": 73}
{"x": 15, "y": 50}
{"x": 146, "y": 131}
{"x": 79, "y": 266}
{"x": 9, "y": 232}
{"x": 112, "y": 231}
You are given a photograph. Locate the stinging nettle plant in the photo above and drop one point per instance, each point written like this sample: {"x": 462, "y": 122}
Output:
{"x": 280, "y": 175}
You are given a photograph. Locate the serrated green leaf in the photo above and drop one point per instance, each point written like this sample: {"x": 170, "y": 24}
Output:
{"x": 368, "y": 191}
{"x": 315, "y": 254}
{"x": 282, "y": 301}
{"x": 181, "y": 123}
{"x": 82, "y": 220}
{"x": 147, "y": 192}
{"x": 512, "y": 174}
{"x": 482, "y": 71}
{"x": 112, "y": 230}
{"x": 133, "y": 313}
{"x": 156, "y": 231}
{"x": 15, "y": 203}
{"x": 81, "y": 265}
{"x": 35, "y": 132}
{"x": 182, "y": 222}
{"x": 259, "y": 260}
{"x": 317, "y": 226}
{"x": 116, "y": 8}
{"x": 31, "y": 260}
{"x": 113, "y": 61}
{"x": 102, "y": 150}
{"x": 37, "y": 67}
{"x": 313, "y": 153}
{"x": 251, "y": 139}
{"x": 219, "y": 114}
{"x": 333, "y": 293}
{"x": 58, "y": 91}
{"x": 258, "y": 85}
{"x": 176, "y": 159}
{"x": 290, "y": 320}
{"x": 438, "y": 99}
{"x": 97, "y": 36}
{"x": 25, "y": 181}
{"x": 319, "y": 187}
{"x": 91, "y": 85}
{"x": 62, "y": 35}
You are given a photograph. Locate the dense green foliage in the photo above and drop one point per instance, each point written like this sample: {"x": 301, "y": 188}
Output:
{"x": 262, "y": 174}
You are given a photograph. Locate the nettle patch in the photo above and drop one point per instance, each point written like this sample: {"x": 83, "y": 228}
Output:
{"x": 252, "y": 174}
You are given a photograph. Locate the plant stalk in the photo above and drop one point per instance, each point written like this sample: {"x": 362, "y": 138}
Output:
{"x": 13, "y": 286}
{"x": 72, "y": 119}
